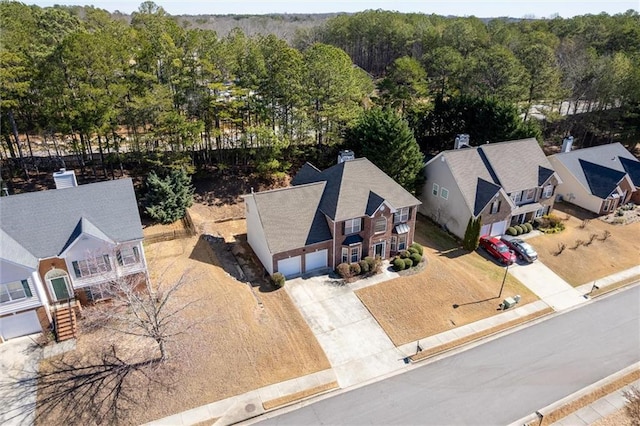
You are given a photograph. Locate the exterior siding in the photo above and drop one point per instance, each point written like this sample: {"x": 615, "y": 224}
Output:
{"x": 573, "y": 191}
{"x": 28, "y": 302}
{"x": 256, "y": 237}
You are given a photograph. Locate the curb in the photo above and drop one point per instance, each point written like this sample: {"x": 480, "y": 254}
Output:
{"x": 537, "y": 416}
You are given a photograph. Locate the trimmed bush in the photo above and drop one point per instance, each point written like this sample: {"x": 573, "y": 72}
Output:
{"x": 277, "y": 279}
{"x": 412, "y": 251}
{"x": 355, "y": 268}
{"x": 416, "y": 258}
{"x": 371, "y": 262}
{"x": 343, "y": 270}
{"x": 512, "y": 231}
{"x": 529, "y": 226}
{"x": 398, "y": 264}
{"x": 418, "y": 247}
{"x": 403, "y": 254}
{"x": 519, "y": 229}
{"x": 364, "y": 266}
{"x": 408, "y": 263}
{"x": 377, "y": 265}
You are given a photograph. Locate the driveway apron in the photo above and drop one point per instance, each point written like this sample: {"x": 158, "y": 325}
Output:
{"x": 356, "y": 346}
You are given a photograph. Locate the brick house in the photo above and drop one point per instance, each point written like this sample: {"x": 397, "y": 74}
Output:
{"x": 340, "y": 215}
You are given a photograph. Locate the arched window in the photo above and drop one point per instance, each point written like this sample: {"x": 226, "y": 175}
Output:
{"x": 58, "y": 280}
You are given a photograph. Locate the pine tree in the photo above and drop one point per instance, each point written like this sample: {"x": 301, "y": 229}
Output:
{"x": 168, "y": 198}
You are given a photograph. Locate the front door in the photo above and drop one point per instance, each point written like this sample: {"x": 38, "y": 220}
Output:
{"x": 60, "y": 288}
{"x": 379, "y": 249}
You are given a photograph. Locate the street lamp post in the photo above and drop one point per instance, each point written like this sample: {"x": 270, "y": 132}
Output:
{"x": 503, "y": 280}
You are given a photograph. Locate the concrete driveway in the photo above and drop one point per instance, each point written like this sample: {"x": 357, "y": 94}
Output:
{"x": 547, "y": 285}
{"x": 18, "y": 362}
{"x": 356, "y": 346}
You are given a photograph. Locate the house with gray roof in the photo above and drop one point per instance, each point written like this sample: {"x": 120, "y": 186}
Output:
{"x": 339, "y": 215}
{"x": 504, "y": 184}
{"x": 599, "y": 178}
{"x": 60, "y": 248}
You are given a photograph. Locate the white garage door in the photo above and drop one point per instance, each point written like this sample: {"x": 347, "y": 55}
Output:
{"x": 499, "y": 228}
{"x": 485, "y": 230}
{"x": 289, "y": 267}
{"x": 315, "y": 260}
{"x": 19, "y": 325}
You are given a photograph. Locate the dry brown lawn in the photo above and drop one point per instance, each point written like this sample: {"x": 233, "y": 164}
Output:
{"x": 236, "y": 345}
{"x": 420, "y": 305}
{"x": 585, "y": 264}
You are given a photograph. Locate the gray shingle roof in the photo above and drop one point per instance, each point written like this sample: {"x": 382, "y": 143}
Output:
{"x": 607, "y": 156}
{"x": 45, "y": 222}
{"x": 290, "y": 216}
{"x": 349, "y": 184}
{"x": 12, "y": 251}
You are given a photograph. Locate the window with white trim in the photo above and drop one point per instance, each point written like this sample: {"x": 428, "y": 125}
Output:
{"x": 495, "y": 207}
{"x": 402, "y": 242}
{"x": 394, "y": 243}
{"x": 401, "y": 215}
{"x": 435, "y": 190}
{"x": 98, "y": 292}
{"x": 444, "y": 193}
{"x": 128, "y": 256}
{"x": 380, "y": 225}
{"x": 540, "y": 212}
{"x": 516, "y": 197}
{"x": 355, "y": 254}
{"x": 345, "y": 255}
{"x": 13, "y": 291}
{"x": 607, "y": 205}
{"x": 548, "y": 191}
{"x": 352, "y": 226}
{"x": 92, "y": 266}
{"x": 530, "y": 194}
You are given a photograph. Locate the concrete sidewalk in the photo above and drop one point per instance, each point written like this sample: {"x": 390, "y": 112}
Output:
{"x": 357, "y": 348}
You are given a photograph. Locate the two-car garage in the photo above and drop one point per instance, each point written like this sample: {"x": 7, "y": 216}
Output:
{"x": 292, "y": 266}
{"x": 19, "y": 325}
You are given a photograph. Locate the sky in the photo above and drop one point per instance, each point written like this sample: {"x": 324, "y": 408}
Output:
{"x": 481, "y": 9}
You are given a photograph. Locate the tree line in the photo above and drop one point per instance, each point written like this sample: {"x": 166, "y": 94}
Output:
{"x": 104, "y": 88}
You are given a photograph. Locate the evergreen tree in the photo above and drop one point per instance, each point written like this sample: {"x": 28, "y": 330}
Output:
{"x": 386, "y": 140}
{"x": 168, "y": 198}
{"x": 466, "y": 243}
{"x": 472, "y": 234}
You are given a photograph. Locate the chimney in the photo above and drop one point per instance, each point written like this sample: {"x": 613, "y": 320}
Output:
{"x": 346, "y": 155}
{"x": 567, "y": 143}
{"x": 462, "y": 141}
{"x": 65, "y": 179}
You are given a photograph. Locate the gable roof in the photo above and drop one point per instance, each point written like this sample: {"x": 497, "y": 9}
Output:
{"x": 481, "y": 172}
{"x": 307, "y": 174}
{"x": 354, "y": 187}
{"x": 46, "y": 222}
{"x": 290, "y": 217}
{"x": 613, "y": 157}
{"x": 12, "y": 251}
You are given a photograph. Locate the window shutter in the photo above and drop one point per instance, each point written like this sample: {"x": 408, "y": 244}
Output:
{"x": 89, "y": 294}
{"x": 106, "y": 261}
{"x": 27, "y": 290}
{"x": 136, "y": 254}
{"x": 499, "y": 204}
{"x": 361, "y": 224}
{"x": 76, "y": 269}
{"x": 119, "y": 257}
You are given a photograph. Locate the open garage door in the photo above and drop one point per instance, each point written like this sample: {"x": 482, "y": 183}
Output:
{"x": 19, "y": 325}
{"x": 290, "y": 267}
{"x": 315, "y": 260}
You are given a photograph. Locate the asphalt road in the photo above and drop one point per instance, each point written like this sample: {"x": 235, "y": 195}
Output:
{"x": 500, "y": 381}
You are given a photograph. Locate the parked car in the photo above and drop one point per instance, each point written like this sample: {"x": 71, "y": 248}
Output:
{"x": 497, "y": 249}
{"x": 522, "y": 249}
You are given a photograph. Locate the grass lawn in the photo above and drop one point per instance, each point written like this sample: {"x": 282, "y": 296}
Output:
{"x": 585, "y": 264}
{"x": 420, "y": 305}
{"x": 237, "y": 343}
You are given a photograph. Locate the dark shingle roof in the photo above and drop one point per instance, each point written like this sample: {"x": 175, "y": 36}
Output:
{"x": 484, "y": 193}
{"x": 308, "y": 173}
{"x": 290, "y": 217}
{"x": 632, "y": 167}
{"x": 45, "y": 222}
{"x": 602, "y": 180}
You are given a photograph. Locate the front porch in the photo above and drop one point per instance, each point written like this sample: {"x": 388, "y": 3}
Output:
{"x": 528, "y": 212}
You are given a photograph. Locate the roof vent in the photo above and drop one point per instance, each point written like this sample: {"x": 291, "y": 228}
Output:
{"x": 65, "y": 179}
{"x": 461, "y": 141}
{"x": 346, "y": 155}
{"x": 567, "y": 143}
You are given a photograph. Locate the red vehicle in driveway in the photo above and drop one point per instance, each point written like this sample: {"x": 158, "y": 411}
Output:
{"x": 497, "y": 249}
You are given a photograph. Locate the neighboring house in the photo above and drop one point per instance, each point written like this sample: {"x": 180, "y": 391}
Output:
{"x": 503, "y": 183}
{"x": 60, "y": 247}
{"x": 598, "y": 179}
{"x": 339, "y": 215}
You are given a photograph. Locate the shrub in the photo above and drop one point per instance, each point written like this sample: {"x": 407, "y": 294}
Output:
{"x": 364, "y": 266}
{"x": 398, "y": 264}
{"x": 277, "y": 279}
{"x": 371, "y": 262}
{"x": 403, "y": 254}
{"x": 537, "y": 222}
{"x": 412, "y": 251}
{"x": 553, "y": 219}
{"x": 354, "y": 268}
{"x": 529, "y": 226}
{"x": 343, "y": 270}
{"x": 377, "y": 265}
{"x": 415, "y": 258}
{"x": 512, "y": 231}
{"x": 418, "y": 247}
{"x": 519, "y": 229}
{"x": 408, "y": 263}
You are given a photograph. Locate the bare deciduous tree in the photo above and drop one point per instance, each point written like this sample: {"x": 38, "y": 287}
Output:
{"x": 633, "y": 405}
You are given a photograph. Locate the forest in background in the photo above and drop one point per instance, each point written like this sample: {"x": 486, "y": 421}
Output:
{"x": 154, "y": 88}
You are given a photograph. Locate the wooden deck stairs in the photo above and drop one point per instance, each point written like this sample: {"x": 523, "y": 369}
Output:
{"x": 66, "y": 323}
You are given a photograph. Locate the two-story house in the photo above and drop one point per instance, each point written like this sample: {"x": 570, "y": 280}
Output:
{"x": 503, "y": 183}
{"x": 340, "y": 215}
{"x": 59, "y": 248}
